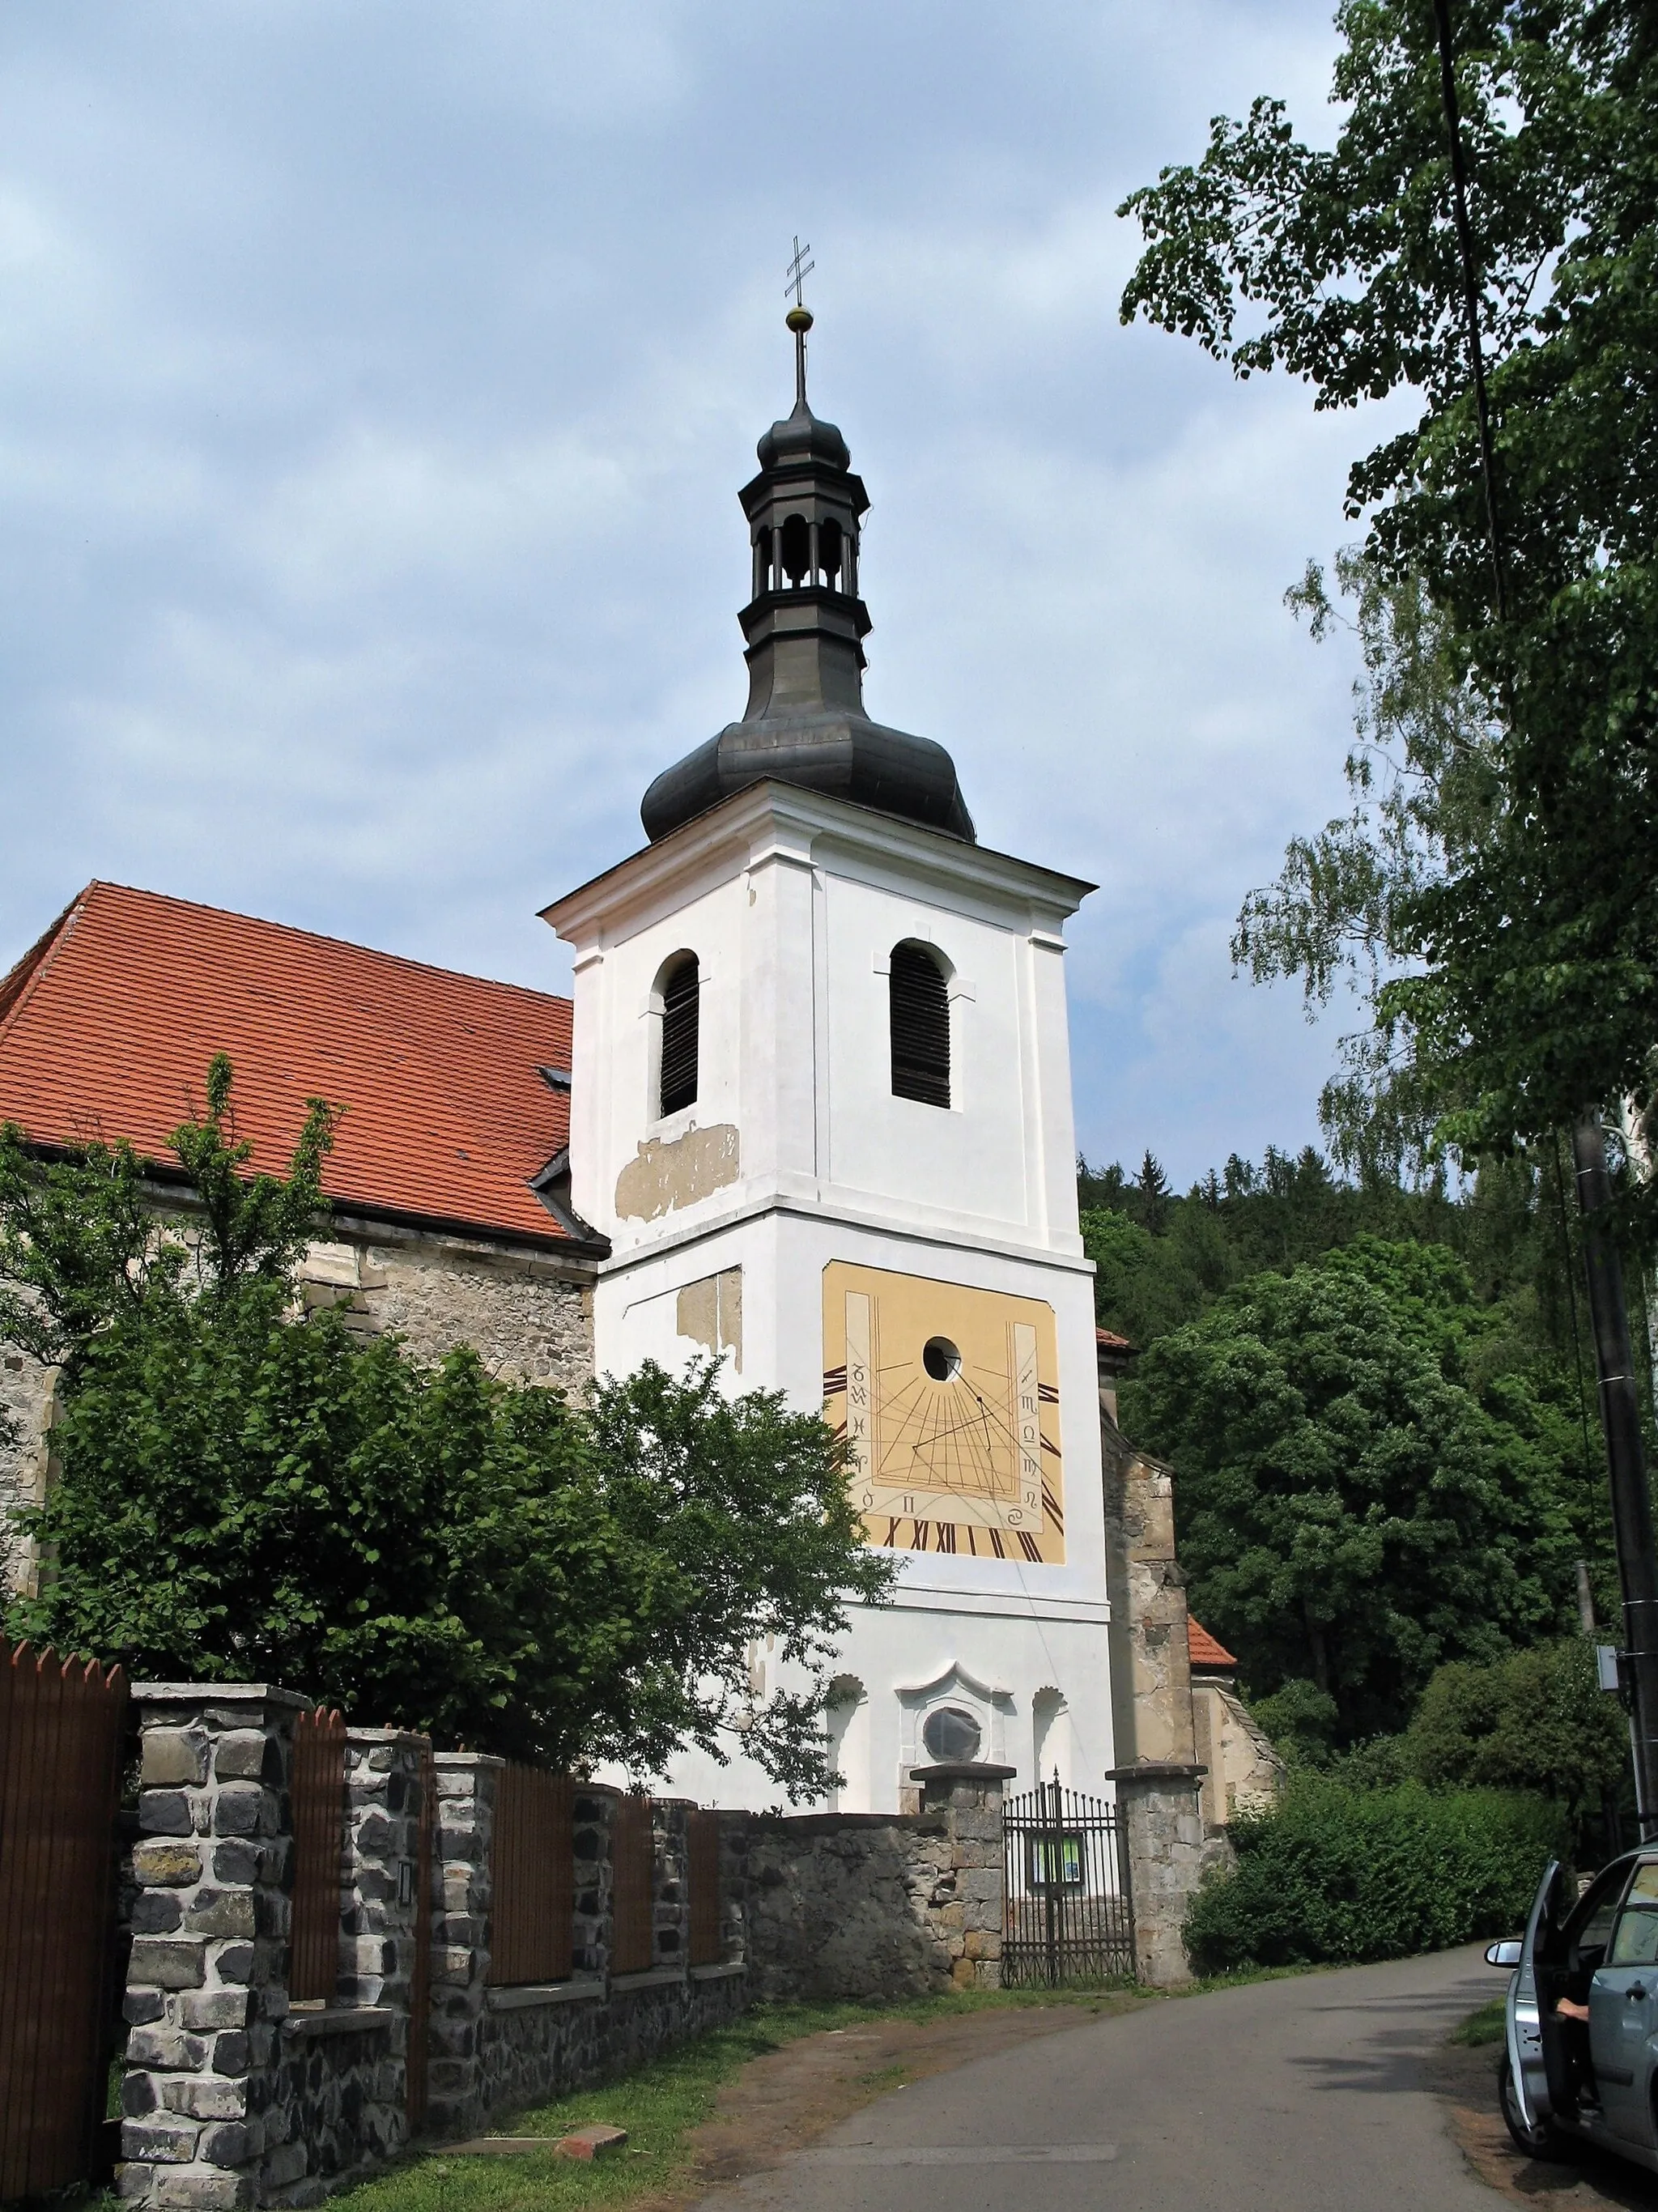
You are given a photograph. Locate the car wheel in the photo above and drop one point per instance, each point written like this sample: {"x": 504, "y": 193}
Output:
{"x": 1538, "y": 2138}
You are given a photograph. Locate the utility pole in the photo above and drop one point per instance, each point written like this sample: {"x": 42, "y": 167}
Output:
{"x": 1631, "y": 1501}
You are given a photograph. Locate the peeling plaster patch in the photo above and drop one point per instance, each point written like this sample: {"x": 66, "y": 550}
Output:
{"x": 710, "y": 1313}
{"x": 678, "y": 1173}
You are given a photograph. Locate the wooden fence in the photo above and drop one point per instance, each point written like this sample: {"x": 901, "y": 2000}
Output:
{"x": 63, "y": 1735}
{"x": 533, "y": 1895}
{"x": 633, "y": 1859}
{"x": 317, "y": 1789}
{"x": 708, "y": 1944}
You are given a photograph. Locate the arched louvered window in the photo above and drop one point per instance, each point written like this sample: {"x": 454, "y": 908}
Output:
{"x": 920, "y": 1006}
{"x": 677, "y": 1085}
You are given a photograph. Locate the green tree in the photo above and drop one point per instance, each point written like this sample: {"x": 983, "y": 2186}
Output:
{"x": 1504, "y": 857}
{"x": 1537, "y": 1720}
{"x": 245, "y": 1493}
{"x": 1351, "y": 1511}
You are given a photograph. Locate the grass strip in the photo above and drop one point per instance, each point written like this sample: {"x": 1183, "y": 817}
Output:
{"x": 1489, "y": 2024}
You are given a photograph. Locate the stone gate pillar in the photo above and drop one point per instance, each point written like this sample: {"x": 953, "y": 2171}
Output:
{"x": 1162, "y": 1827}
{"x": 970, "y": 1797}
{"x": 207, "y": 1990}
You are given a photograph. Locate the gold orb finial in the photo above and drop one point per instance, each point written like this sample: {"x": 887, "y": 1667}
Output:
{"x": 799, "y": 319}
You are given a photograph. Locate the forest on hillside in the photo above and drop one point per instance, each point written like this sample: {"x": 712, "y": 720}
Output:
{"x": 1379, "y": 1404}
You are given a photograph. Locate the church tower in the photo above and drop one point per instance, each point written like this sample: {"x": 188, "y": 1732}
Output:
{"x": 821, "y": 1107}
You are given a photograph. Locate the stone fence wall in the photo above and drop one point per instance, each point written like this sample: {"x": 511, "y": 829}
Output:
{"x": 496, "y": 2050}
{"x": 873, "y": 1905}
{"x": 235, "y": 2095}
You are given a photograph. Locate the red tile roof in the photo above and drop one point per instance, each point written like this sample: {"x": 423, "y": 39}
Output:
{"x": 1104, "y": 1336}
{"x": 107, "y": 1026}
{"x": 1203, "y": 1648}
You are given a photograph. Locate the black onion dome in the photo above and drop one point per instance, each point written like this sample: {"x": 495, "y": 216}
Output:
{"x": 804, "y": 723}
{"x": 803, "y": 436}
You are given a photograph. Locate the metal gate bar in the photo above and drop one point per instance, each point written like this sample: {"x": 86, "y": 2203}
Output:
{"x": 1069, "y": 1916}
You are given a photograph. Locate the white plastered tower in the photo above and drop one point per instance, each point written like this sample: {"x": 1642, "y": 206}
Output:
{"x": 802, "y": 1213}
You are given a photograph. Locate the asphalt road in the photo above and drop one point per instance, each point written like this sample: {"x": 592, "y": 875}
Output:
{"x": 1306, "y": 2095}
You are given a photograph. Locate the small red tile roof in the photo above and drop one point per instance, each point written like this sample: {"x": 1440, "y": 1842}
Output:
{"x": 1203, "y": 1648}
{"x": 1104, "y": 1336}
{"x": 107, "y": 1026}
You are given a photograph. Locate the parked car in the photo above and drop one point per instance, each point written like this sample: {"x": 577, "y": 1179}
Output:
{"x": 1580, "y": 2058}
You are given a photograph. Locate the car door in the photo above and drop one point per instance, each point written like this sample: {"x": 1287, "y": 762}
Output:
{"x": 1566, "y": 1962}
{"x": 1525, "y": 2061}
{"x": 1624, "y": 2011}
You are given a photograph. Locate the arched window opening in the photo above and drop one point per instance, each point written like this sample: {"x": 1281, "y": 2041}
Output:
{"x": 919, "y": 1008}
{"x": 796, "y": 548}
{"x": 829, "y": 550}
{"x": 680, "y": 992}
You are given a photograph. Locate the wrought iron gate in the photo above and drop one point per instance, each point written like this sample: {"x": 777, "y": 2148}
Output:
{"x": 1066, "y": 1884}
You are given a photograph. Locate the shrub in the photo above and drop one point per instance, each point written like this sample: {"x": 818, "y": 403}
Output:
{"x": 1332, "y": 1873}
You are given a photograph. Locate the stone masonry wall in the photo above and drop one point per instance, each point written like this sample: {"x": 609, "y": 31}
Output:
{"x": 529, "y": 1316}
{"x": 873, "y": 1905}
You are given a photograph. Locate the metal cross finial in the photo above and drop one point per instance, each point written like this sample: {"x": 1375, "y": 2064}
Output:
{"x": 800, "y": 270}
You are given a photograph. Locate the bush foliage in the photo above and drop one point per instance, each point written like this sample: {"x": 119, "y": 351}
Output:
{"x": 1335, "y": 1873}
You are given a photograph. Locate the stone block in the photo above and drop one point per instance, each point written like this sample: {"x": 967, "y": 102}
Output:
{"x": 591, "y": 2143}
{"x": 163, "y": 2141}
{"x": 165, "y": 2047}
{"x": 226, "y": 2144}
{"x": 378, "y": 1837}
{"x": 241, "y": 1808}
{"x": 161, "y": 1865}
{"x": 205, "y": 2099}
{"x": 141, "y": 2006}
{"x": 200, "y": 2189}
{"x": 246, "y": 1755}
{"x": 238, "y": 1865}
{"x": 161, "y": 1963}
{"x": 222, "y": 1912}
{"x": 137, "y": 2095}
{"x": 231, "y": 2052}
{"x": 211, "y": 2009}
{"x": 135, "y": 2181}
{"x": 241, "y": 1963}
{"x": 174, "y": 1755}
{"x": 157, "y": 1912}
{"x": 164, "y": 1813}
{"x": 286, "y": 2163}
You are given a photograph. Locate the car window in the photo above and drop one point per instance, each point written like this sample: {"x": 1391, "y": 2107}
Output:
{"x": 1590, "y": 1926}
{"x": 1635, "y": 1942}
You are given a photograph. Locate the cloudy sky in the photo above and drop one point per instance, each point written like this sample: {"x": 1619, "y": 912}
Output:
{"x": 376, "y": 380}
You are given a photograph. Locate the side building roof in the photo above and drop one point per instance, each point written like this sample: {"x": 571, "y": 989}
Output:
{"x": 1205, "y": 1650}
{"x": 107, "y": 1026}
